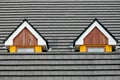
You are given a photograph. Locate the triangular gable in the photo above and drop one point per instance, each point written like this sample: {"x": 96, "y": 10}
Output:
{"x": 95, "y": 23}
{"x": 25, "y": 24}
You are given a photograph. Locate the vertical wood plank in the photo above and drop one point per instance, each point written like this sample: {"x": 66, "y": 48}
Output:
{"x": 25, "y": 38}
{"x": 95, "y": 37}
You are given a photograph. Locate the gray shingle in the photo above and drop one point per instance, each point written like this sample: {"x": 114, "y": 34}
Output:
{"x": 60, "y": 21}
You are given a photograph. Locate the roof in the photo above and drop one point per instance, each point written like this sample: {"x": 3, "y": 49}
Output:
{"x": 60, "y": 23}
{"x": 80, "y": 40}
{"x": 25, "y": 24}
{"x": 62, "y": 66}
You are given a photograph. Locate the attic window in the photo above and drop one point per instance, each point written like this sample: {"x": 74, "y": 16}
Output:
{"x": 95, "y": 38}
{"x": 26, "y": 39}
{"x": 95, "y": 49}
{"x": 25, "y": 50}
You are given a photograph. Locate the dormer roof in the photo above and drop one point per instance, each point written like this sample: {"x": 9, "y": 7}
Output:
{"x": 26, "y": 24}
{"x": 98, "y": 25}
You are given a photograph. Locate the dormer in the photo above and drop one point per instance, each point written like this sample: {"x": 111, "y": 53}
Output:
{"x": 25, "y": 38}
{"x": 95, "y": 38}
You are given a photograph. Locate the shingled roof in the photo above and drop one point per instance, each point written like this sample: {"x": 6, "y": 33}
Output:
{"x": 60, "y": 23}
{"x": 27, "y": 25}
{"x": 80, "y": 39}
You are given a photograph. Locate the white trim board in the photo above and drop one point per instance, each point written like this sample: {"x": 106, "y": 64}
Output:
{"x": 80, "y": 40}
{"x": 25, "y": 24}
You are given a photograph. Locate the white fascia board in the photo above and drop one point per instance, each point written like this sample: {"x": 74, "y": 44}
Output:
{"x": 9, "y": 41}
{"x": 111, "y": 40}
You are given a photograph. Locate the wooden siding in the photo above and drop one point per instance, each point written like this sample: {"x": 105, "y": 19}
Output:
{"x": 25, "y": 39}
{"x": 95, "y": 37}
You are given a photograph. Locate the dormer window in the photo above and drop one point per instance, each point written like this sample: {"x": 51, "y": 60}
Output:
{"x": 96, "y": 49}
{"x": 25, "y": 50}
{"x": 95, "y": 38}
{"x": 26, "y": 39}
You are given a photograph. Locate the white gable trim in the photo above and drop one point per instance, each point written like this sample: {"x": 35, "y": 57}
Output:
{"x": 25, "y": 24}
{"x": 111, "y": 40}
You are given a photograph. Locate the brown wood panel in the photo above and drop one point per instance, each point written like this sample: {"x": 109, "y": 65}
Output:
{"x": 95, "y": 37}
{"x": 25, "y": 39}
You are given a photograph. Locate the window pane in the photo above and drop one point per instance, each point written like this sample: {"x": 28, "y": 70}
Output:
{"x": 95, "y": 49}
{"x": 25, "y": 50}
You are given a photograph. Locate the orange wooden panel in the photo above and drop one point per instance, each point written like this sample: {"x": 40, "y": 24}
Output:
{"x": 25, "y": 39}
{"x": 95, "y": 37}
